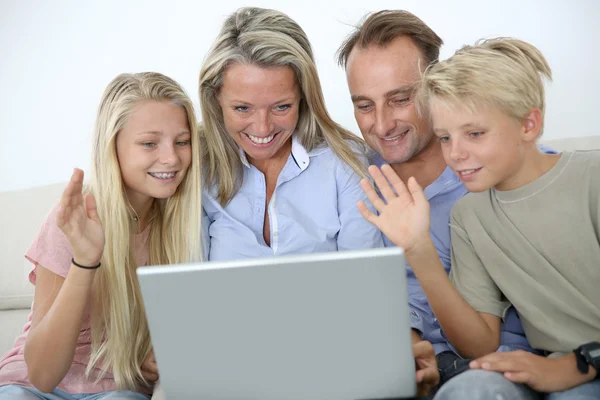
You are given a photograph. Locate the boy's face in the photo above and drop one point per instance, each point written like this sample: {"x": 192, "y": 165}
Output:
{"x": 485, "y": 148}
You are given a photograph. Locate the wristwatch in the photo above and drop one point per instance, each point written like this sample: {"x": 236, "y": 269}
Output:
{"x": 586, "y": 355}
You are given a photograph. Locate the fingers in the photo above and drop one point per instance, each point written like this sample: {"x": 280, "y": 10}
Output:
{"x": 381, "y": 181}
{"x": 366, "y": 213}
{"x": 395, "y": 180}
{"x": 73, "y": 188}
{"x": 416, "y": 191}
{"x": 90, "y": 207}
{"x": 518, "y": 377}
{"x": 69, "y": 198}
{"x": 429, "y": 376}
{"x": 423, "y": 349}
{"x": 372, "y": 195}
{"x": 501, "y": 362}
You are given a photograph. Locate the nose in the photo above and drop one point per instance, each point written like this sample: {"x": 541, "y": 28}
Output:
{"x": 168, "y": 155}
{"x": 457, "y": 150}
{"x": 384, "y": 121}
{"x": 263, "y": 124}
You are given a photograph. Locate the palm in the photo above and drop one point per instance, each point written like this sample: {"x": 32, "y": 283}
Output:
{"x": 403, "y": 212}
{"x": 79, "y": 221}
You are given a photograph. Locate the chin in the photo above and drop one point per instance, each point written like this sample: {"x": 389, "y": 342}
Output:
{"x": 475, "y": 187}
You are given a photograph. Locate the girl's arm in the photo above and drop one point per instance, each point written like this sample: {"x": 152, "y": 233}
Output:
{"x": 60, "y": 304}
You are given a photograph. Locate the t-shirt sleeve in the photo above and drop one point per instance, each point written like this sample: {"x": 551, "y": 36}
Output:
{"x": 50, "y": 249}
{"x": 469, "y": 275}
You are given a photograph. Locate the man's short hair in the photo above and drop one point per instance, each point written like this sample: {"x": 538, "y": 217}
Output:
{"x": 381, "y": 28}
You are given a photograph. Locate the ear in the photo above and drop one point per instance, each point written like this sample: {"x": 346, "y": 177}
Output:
{"x": 532, "y": 125}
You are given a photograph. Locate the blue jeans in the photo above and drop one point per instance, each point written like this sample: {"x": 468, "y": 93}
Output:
{"x": 481, "y": 385}
{"x": 18, "y": 392}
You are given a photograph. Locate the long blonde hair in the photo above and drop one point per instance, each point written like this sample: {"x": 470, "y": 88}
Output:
{"x": 504, "y": 73}
{"x": 267, "y": 38}
{"x": 120, "y": 336}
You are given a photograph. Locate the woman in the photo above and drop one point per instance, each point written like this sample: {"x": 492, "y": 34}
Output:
{"x": 280, "y": 176}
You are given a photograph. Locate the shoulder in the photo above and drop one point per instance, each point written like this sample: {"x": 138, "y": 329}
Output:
{"x": 584, "y": 159}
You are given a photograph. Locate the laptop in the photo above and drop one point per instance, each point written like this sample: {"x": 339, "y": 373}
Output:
{"x": 331, "y": 326}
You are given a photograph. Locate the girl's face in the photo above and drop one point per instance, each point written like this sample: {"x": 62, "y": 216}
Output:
{"x": 154, "y": 151}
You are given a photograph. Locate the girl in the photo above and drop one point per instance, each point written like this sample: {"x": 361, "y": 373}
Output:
{"x": 87, "y": 336}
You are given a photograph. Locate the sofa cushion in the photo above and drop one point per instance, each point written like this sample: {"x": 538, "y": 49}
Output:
{"x": 24, "y": 212}
{"x": 578, "y": 143}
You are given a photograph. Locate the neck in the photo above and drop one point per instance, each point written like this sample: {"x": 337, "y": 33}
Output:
{"x": 141, "y": 209}
{"x": 425, "y": 167}
{"x": 534, "y": 164}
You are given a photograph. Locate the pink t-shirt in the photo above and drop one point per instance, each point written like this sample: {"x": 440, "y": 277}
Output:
{"x": 51, "y": 250}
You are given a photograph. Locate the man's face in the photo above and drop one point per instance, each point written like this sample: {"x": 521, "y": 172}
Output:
{"x": 382, "y": 84}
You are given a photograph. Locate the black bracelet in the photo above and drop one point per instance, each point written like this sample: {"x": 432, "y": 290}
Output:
{"x": 83, "y": 266}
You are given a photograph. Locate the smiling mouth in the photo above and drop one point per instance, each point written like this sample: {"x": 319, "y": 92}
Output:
{"x": 467, "y": 172}
{"x": 396, "y": 137}
{"x": 163, "y": 175}
{"x": 261, "y": 140}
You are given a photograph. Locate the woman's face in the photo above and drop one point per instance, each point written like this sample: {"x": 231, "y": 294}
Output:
{"x": 260, "y": 108}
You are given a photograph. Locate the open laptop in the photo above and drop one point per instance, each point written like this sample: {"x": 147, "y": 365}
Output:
{"x": 331, "y": 326}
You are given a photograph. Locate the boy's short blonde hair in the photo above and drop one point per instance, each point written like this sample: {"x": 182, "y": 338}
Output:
{"x": 504, "y": 73}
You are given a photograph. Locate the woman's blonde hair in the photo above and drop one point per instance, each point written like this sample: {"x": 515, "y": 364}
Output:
{"x": 267, "y": 38}
{"x": 503, "y": 73}
{"x": 120, "y": 337}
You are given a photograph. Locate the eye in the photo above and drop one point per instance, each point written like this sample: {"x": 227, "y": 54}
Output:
{"x": 183, "y": 143}
{"x": 149, "y": 145}
{"x": 400, "y": 102}
{"x": 475, "y": 135}
{"x": 241, "y": 108}
{"x": 283, "y": 107}
{"x": 364, "y": 107}
{"x": 444, "y": 139}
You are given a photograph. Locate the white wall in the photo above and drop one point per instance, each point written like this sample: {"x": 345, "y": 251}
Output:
{"x": 56, "y": 58}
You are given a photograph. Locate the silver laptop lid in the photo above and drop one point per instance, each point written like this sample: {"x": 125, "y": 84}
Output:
{"x": 331, "y": 326}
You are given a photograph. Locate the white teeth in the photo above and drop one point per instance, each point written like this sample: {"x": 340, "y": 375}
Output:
{"x": 259, "y": 140}
{"x": 163, "y": 175}
{"x": 468, "y": 171}
{"x": 395, "y": 137}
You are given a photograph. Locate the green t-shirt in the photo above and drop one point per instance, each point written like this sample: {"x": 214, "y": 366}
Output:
{"x": 536, "y": 247}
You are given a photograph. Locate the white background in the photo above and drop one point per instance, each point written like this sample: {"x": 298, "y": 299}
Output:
{"x": 57, "y": 56}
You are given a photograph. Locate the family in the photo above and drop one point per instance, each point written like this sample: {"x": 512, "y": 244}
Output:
{"x": 501, "y": 235}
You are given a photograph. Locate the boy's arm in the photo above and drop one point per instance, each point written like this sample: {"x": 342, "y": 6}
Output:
{"x": 472, "y": 334}
{"x": 404, "y": 217}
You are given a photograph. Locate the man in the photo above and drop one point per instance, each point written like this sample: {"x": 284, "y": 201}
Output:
{"x": 384, "y": 59}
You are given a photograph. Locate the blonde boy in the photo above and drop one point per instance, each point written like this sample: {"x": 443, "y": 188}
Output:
{"x": 527, "y": 235}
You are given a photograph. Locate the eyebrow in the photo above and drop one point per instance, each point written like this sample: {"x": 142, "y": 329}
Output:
{"x": 245, "y": 103}
{"x": 387, "y": 95}
{"x": 158, "y": 133}
{"x": 464, "y": 126}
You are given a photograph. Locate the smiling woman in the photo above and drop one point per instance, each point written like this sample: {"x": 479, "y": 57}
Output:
{"x": 280, "y": 176}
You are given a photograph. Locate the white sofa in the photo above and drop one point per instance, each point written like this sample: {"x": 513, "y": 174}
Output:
{"x": 22, "y": 214}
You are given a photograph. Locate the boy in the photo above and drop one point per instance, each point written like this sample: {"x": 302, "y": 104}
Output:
{"x": 527, "y": 235}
